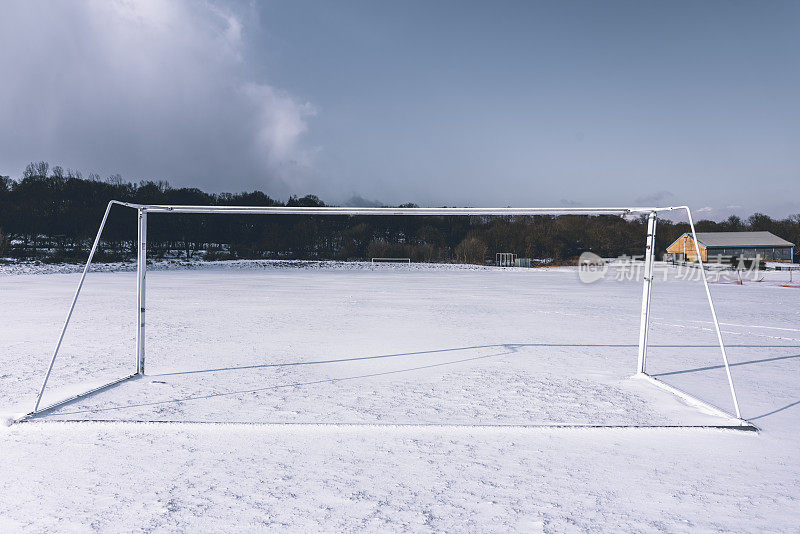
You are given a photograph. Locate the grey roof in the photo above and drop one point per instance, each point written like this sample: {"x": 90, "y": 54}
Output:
{"x": 741, "y": 239}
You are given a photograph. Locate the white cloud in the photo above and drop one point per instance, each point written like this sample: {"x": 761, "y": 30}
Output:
{"x": 150, "y": 89}
{"x": 281, "y": 123}
{"x": 656, "y": 198}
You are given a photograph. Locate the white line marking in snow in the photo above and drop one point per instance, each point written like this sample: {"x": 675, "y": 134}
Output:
{"x": 455, "y": 428}
{"x": 752, "y": 326}
{"x": 728, "y": 331}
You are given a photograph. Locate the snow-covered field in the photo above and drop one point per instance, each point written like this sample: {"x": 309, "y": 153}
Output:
{"x": 413, "y": 393}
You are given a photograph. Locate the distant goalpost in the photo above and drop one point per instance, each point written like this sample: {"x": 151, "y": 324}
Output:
{"x": 504, "y": 259}
{"x": 141, "y": 275}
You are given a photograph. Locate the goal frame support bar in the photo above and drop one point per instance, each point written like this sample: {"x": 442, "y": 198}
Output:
{"x": 141, "y": 270}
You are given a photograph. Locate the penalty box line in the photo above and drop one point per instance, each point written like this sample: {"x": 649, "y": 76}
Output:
{"x": 447, "y": 427}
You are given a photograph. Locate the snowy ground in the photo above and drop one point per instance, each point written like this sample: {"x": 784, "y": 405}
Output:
{"x": 414, "y": 364}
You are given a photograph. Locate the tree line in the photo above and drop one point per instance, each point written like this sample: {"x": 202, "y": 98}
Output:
{"x": 52, "y": 215}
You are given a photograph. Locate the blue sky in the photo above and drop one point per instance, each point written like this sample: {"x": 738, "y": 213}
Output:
{"x": 457, "y": 103}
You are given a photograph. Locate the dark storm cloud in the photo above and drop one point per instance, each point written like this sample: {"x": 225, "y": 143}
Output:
{"x": 148, "y": 89}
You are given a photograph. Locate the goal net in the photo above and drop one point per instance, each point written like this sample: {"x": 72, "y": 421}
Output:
{"x": 424, "y": 346}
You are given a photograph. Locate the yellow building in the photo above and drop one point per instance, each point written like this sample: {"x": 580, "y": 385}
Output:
{"x": 724, "y": 246}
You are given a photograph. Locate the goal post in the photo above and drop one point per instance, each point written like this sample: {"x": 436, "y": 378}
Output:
{"x": 504, "y": 259}
{"x": 649, "y": 258}
{"x": 142, "y": 210}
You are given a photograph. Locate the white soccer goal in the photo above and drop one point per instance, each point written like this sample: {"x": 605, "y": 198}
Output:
{"x": 504, "y": 259}
{"x": 142, "y": 211}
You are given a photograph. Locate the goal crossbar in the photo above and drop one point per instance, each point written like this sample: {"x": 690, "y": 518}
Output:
{"x": 141, "y": 269}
